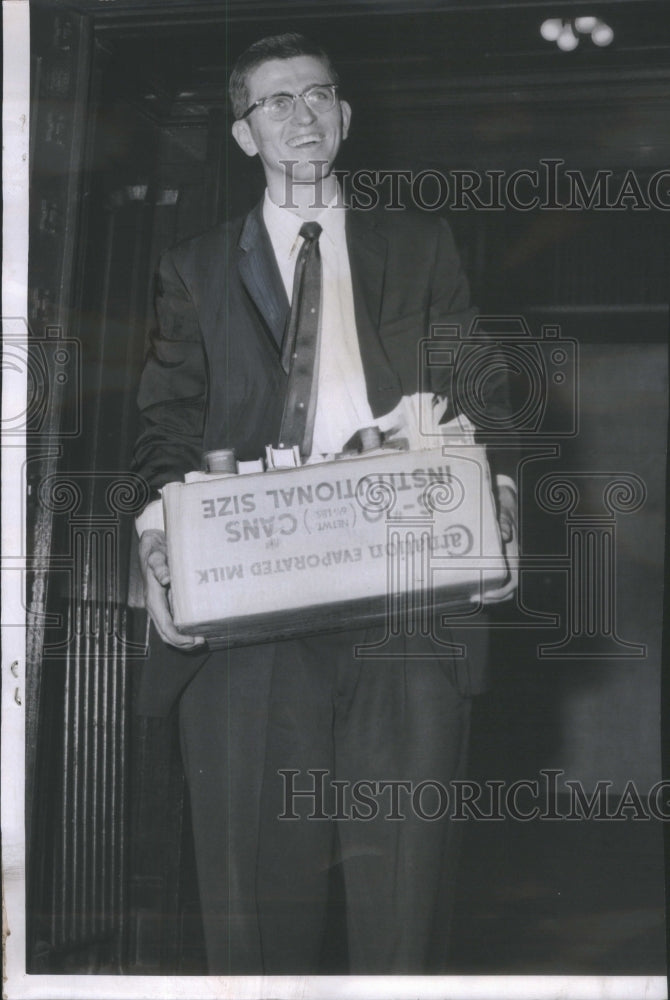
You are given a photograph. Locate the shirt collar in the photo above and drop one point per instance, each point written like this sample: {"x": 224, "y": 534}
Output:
{"x": 284, "y": 226}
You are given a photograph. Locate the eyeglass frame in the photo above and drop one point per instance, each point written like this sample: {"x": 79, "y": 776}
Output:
{"x": 334, "y": 87}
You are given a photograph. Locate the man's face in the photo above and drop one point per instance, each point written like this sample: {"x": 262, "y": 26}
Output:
{"x": 308, "y": 137}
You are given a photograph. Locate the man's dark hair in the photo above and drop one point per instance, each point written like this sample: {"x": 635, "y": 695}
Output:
{"x": 286, "y": 46}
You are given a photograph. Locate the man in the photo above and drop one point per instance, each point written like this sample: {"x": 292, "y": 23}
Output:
{"x": 217, "y": 377}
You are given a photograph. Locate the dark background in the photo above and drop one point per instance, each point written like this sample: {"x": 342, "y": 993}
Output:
{"x": 130, "y": 153}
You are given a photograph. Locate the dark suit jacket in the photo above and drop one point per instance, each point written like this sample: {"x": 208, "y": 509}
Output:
{"x": 213, "y": 376}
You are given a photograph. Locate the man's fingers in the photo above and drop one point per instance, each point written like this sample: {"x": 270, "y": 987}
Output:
{"x": 159, "y": 609}
{"x": 506, "y": 529}
{"x": 507, "y": 513}
{"x": 153, "y": 556}
{"x": 158, "y": 564}
{"x": 169, "y": 635}
{"x": 156, "y": 573}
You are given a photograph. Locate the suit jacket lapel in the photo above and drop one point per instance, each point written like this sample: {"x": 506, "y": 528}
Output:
{"x": 367, "y": 258}
{"x": 260, "y": 274}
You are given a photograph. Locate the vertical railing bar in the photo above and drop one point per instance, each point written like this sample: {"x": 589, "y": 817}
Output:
{"x": 114, "y": 779}
{"x": 85, "y": 755}
{"x": 118, "y": 738}
{"x": 122, "y": 744}
{"x": 60, "y": 878}
{"x": 97, "y": 857}
{"x": 103, "y": 644}
{"x": 92, "y": 775}
{"x": 70, "y": 875}
{"x": 107, "y": 814}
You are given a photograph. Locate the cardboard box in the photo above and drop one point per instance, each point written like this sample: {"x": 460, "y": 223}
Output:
{"x": 383, "y": 536}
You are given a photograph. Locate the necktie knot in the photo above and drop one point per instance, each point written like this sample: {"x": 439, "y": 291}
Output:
{"x": 310, "y": 231}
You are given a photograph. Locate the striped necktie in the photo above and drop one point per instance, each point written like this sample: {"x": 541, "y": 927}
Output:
{"x": 301, "y": 344}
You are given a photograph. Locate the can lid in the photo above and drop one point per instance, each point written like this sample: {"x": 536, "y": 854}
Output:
{"x": 221, "y": 461}
{"x": 370, "y": 438}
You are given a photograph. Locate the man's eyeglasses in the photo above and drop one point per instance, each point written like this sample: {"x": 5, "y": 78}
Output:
{"x": 321, "y": 97}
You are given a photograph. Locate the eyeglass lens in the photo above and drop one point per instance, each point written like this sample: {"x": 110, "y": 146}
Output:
{"x": 318, "y": 98}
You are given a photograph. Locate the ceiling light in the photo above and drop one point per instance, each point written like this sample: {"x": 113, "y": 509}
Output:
{"x": 567, "y": 39}
{"x": 551, "y": 29}
{"x": 585, "y": 25}
{"x": 602, "y": 34}
{"x": 566, "y": 33}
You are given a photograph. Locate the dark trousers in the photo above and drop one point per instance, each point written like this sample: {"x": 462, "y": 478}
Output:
{"x": 262, "y": 724}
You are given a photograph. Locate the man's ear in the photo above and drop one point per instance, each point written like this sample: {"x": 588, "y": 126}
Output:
{"x": 345, "y": 107}
{"x": 243, "y": 137}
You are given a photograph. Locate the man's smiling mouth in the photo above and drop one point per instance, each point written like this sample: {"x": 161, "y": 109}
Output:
{"x": 310, "y": 139}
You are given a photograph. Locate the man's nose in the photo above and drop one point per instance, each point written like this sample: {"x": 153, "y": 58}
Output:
{"x": 302, "y": 111}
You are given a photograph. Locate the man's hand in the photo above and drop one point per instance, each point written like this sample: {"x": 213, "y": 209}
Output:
{"x": 156, "y": 576}
{"x": 507, "y": 513}
{"x": 507, "y": 521}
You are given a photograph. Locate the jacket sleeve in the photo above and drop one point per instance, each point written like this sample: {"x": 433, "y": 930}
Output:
{"x": 172, "y": 396}
{"x": 468, "y": 367}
